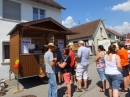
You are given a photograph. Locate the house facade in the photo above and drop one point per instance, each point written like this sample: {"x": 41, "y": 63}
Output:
{"x": 113, "y": 35}
{"x": 90, "y": 33}
{"x": 126, "y": 36}
{"x": 13, "y": 12}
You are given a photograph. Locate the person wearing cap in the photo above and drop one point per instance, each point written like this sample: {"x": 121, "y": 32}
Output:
{"x": 50, "y": 62}
{"x": 82, "y": 66}
{"x": 72, "y": 64}
{"x": 123, "y": 53}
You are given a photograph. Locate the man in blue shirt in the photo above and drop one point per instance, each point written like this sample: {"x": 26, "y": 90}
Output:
{"x": 82, "y": 67}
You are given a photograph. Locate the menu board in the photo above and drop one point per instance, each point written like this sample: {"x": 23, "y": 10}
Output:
{"x": 25, "y": 42}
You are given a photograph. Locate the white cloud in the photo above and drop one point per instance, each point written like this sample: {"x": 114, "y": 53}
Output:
{"x": 123, "y": 6}
{"x": 69, "y": 22}
{"x": 87, "y": 20}
{"x": 124, "y": 28}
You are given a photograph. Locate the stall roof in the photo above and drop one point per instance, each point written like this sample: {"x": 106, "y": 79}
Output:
{"x": 48, "y": 24}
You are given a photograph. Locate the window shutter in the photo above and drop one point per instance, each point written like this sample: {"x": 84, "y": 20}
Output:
{"x": 11, "y": 10}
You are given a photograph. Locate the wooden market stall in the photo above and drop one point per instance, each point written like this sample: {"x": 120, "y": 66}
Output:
{"x": 27, "y": 42}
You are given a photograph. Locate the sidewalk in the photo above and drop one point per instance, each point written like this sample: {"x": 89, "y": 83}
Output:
{"x": 34, "y": 86}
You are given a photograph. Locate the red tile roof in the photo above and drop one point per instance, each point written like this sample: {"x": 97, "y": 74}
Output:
{"x": 85, "y": 30}
{"x": 127, "y": 36}
{"x": 51, "y": 3}
{"x": 114, "y": 32}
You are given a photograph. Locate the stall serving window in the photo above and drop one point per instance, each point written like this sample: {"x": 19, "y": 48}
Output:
{"x": 30, "y": 45}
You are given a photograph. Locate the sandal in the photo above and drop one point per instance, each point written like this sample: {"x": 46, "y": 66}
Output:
{"x": 86, "y": 89}
{"x": 78, "y": 90}
{"x": 102, "y": 90}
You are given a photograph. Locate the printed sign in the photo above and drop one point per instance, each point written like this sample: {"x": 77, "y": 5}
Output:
{"x": 25, "y": 42}
{"x": 61, "y": 44}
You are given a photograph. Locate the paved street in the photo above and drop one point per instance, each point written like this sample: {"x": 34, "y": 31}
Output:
{"x": 34, "y": 86}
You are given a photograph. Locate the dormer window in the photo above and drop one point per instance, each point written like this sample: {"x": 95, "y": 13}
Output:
{"x": 38, "y": 14}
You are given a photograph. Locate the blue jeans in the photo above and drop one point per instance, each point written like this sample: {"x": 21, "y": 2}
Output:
{"x": 52, "y": 85}
{"x": 114, "y": 80}
{"x": 101, "y": 73}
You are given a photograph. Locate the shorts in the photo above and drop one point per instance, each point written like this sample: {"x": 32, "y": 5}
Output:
{"x": 125, "y": 72}
{"x": 101, "y": 73}
{"x": 66, "y": 77}
{"x": 57, "y": 68}
{"x": 72, "y": 71}
{"x": 114, "y": 80}
{"x": 81, "y": 72}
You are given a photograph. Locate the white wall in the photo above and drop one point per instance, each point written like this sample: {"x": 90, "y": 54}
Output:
{"x": 5, "y": 28}
{"x": 97, "y": 36}
{"x": 113, "y": 37}
{"x": 27, "y": 11}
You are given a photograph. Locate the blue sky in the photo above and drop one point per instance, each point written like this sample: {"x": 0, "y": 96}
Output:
{"x": 115, "y": 12}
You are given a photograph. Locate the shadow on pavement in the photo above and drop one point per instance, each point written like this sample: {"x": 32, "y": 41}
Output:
{"x": 89, "y": 82}
{"x": 127, "y": 95}
{"x": 99, "y": 84}
{"x": 61, "y": 91}
{"x": 107, "y": 92}
{"x": 32, "y": 82}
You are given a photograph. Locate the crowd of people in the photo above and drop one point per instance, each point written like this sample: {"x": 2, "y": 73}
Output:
{"x": 68, "y": 67}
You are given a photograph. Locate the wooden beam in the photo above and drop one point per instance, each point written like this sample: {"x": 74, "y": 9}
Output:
{"x": 33, "y": 37}
{"x": 45, "y": 30}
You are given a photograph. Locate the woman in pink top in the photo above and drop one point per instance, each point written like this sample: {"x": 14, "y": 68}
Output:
{"x": 100, "y": 65}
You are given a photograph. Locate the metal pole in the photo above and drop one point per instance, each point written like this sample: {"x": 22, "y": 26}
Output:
{"x": 17, "y": 82}
{"x": 9, "y": 75}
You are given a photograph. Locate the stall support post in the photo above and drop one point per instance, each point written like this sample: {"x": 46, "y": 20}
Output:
{"x": 18, "y": 90}
{"x": 9, "y": 75}
{"x": 17, "y": 82}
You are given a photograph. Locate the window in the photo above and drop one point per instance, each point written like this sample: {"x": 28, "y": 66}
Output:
{"x": 109, "y": 35}
{"x": 11, "y": 10}
{"x": 117, "y": 37}
{"x": 101, "y": 32}
{"x": 38, "y": 14}
{"x": 6, "y": 52}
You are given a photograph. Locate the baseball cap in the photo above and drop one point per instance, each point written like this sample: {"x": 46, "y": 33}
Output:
{"x": 121, "y": 43}
{"x": 81, "y": 41}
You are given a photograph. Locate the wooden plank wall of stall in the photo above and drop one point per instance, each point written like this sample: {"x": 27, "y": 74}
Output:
{"x": 14, "y": 51}
{"x": 29, "y": 65}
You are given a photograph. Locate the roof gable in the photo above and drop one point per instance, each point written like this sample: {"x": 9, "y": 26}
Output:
{"x": 114, "y": 32}
{"x": 51, "y": 3}
{"x": 85, "y": 30}
{"x": 47, "y": 23}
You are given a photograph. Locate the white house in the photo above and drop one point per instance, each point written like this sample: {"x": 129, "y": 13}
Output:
{"x": 90, "y": 33}
{"x": 13, "y": 12}
{"x": 113, "y": 35}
